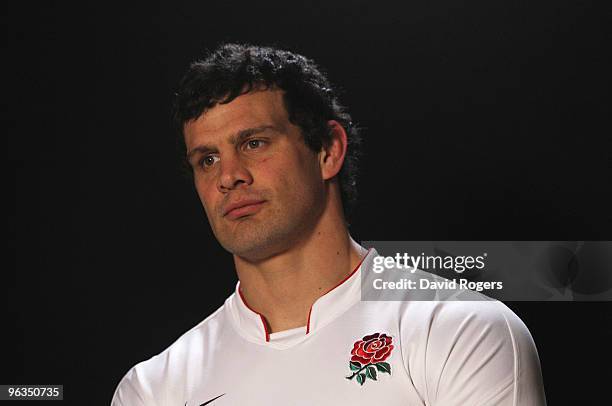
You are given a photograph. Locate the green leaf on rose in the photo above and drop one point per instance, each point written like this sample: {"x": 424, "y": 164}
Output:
{"x": 383, "y": 367}
{"x": 355, "y": 366}
{"x": 371, "y": 372}
{"x": 361, "y": 378}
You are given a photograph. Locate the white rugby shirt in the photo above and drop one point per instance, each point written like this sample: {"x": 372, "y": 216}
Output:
{"x": 352, "y": 352}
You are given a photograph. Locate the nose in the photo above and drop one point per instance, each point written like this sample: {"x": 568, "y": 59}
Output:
{"x": 233, "y": 174}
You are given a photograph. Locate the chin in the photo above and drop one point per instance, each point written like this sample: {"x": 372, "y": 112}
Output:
{"x": 251, "y": 252}
{"x": 257, "y": 238}
{"x": 257, "y": 245}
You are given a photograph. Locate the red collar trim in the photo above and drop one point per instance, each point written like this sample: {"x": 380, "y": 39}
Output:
{"x": 263, "y": 319}
{"x": 339, "y": 283}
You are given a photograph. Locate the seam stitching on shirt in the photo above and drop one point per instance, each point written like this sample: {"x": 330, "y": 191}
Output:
{"x": 516, "y": 362}
{"x": 406, "y": 369}
{"x": 434, "y": 315}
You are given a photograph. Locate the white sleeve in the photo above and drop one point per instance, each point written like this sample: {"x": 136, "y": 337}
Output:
{"x": 479, "y": 353}
{"x": 129, "y": 392}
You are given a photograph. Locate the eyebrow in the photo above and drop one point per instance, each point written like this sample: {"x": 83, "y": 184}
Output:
{"x": 234, "y": 139}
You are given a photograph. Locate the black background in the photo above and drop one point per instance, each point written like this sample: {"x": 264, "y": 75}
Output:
{"x": 484, "y": 121}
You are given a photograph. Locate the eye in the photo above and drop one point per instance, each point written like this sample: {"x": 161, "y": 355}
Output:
{"x": 254, "y": 144}
{"x": 208, "y": 161}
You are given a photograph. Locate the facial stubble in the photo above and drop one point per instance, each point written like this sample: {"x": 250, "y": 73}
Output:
{"x": 272, "y": 229}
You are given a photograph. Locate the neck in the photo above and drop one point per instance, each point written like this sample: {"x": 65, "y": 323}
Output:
{"x": 284, "y": 287}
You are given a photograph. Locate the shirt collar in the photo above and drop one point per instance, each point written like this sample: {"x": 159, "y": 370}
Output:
{"x": 325, "y": 309}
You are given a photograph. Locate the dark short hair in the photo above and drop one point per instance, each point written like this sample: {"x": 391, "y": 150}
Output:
{"x": 235, "y": 69}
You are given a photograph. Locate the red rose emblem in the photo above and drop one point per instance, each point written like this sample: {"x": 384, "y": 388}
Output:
{"x": 372, "y": 349}
{"x": 368, "y": 356}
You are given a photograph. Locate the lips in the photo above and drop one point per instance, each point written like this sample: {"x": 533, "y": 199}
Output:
{"x": 242, "y": 207}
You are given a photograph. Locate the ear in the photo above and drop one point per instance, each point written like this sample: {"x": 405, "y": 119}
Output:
{"x": 333, "y": 153}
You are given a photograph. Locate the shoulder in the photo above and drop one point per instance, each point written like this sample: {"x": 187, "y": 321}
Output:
{"x": 461, "y": 325}
{"x": 471, "y": 352}
{"x": 147, "y": 382}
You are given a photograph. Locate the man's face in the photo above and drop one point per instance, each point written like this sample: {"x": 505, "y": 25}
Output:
{"x": 247, "y": 155}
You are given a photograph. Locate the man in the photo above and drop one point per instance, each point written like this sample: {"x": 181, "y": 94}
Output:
{"x": 273, "y": 153}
